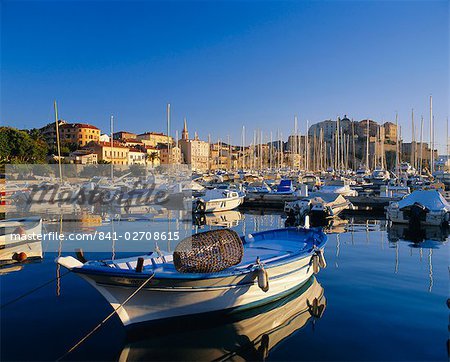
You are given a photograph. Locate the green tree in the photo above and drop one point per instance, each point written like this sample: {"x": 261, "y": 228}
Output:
{"x": 19, "y": 147}
{"x": 153, "y": 157}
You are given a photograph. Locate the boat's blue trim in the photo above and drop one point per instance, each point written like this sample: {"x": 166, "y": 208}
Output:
{"x": 317, "y": 239}
{"x": 181, "y": 288}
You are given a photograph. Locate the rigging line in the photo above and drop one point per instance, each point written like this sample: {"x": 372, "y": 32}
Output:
{"x": 106, "y": 319}
{"x": 32, "y": 290}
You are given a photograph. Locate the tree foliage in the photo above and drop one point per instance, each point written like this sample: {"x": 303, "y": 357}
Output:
{"x": 18, "y": 146}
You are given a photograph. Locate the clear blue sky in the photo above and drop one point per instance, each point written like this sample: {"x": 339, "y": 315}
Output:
{"x": 224, "y": 64}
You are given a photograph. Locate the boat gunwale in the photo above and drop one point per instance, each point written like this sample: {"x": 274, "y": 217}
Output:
{"x": 105, "y": 270}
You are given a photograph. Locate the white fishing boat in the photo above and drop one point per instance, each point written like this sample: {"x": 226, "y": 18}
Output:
{"x": 425, "y": 207}
{"x": 249, "y": 335}
{"x": 216, "y": 271}
{"x": 217, "y": 200}
{"x": 20, "y": 239}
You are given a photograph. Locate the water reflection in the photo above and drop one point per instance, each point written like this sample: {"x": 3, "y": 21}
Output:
{"x": 247, "y": 335}
{"x": 423, "y": 236}
{"x": 227, "y": 219}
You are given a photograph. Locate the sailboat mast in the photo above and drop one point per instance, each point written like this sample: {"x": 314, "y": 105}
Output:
{"x": 431, "y": 136}
{"x": 58, "y": 144}
{"x": 168, "y": 133}
{"x": 111, "y": 121}
{"x": 421, "y": 146}
{"x": 354, "y": 149}
{"x": 307, "y": 146}
{"x": 243, "y": 147}
{"x": 367, "y": 147}
{"x": 397, "y": 170}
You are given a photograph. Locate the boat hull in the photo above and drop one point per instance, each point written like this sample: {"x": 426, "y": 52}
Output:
{"x": 223, "y": 205}
{"x": 168, "y": 298}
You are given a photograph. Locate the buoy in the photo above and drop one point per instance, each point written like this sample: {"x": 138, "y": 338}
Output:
{"x": 20, "y": 257}
{"x": 322, "y": 261}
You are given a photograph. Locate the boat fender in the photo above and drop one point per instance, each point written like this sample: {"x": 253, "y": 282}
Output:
{"x": 263, "y": 349}
{"x": 315, "y": 263}
{"x": 315, "y": 309}
{"x": 263, "y": 277}
{"x": 307, "y": 225}
{"x": 322, "y": 261}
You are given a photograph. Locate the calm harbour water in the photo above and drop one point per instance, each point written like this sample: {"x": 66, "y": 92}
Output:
{"x": 385, "y": 300}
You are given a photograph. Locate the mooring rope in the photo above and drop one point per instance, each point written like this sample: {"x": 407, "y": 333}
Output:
{"x": 105, "y": 320}
{"x": 33, "y": 290}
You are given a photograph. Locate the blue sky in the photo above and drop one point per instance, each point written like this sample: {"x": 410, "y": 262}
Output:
{"x": 224, "y": 64}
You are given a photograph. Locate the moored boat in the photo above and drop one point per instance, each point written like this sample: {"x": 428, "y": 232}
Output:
{"x": 20, "y": 239}
{"x": 218, "y": 200}
{"x": 272, "y": 265}
{"x": 425, "y": 207}
{"x": 320, "y": 207}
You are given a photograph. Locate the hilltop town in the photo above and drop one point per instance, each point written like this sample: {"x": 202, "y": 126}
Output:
{"x": 331, "y": 144}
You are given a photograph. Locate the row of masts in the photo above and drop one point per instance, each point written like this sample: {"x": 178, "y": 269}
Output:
{"x": 310, "y": 152}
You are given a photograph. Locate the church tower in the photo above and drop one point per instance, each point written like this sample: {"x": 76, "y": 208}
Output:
{"x": 185, "y": 133}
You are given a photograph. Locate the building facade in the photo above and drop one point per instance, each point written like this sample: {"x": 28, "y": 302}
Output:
{"x": 78, "y": 133}
{"x": 194, "y": 151}
{"x": 121, "y": 135}
{"x": 82, "y": 157}
{"x": 137, "y": 157}
{"x": 154, "y": 139}
{"x": 117, "y": 154}
{"x": 171, "y": 156}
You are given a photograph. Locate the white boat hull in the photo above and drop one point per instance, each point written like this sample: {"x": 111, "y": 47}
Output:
{"x": 223, "y": 204}
{"x": 397, "y": 216}
{"x": 155, "y": 303}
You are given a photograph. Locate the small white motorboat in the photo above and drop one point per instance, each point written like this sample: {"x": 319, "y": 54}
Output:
{"x": 424, "y": 207}
{"x": 20, "y": 239}
{"x": 218, "y": 200}
{"x": 270, "y": 265}
{"x": 320, "y": 207}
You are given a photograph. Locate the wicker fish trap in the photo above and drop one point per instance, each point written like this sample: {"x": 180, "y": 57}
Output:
{"x": 208, "y": 252}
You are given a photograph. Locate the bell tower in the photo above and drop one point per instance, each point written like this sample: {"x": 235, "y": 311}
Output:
{"x": 185, "y": 133}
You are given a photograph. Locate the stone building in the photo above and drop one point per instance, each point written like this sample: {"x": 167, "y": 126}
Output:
{"x": 154, "y": 139}
{"x": 116, "y": 154}
{"x": 195, "y": 152}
